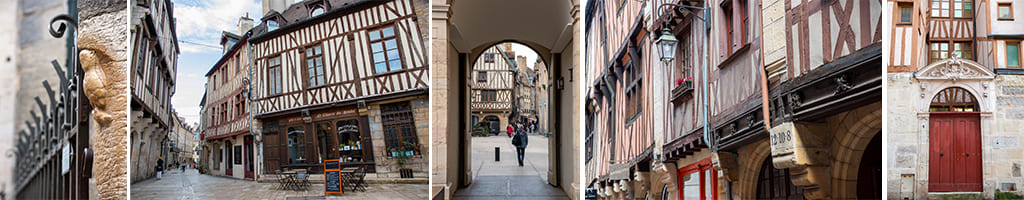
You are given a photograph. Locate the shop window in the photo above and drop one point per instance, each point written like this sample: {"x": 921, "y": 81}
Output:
{"x": 237, "y": 154}
{"x": 350, "y": 140}
{"x": 776, "y": 183}
{"x": 274, "y": 71}
{"x": 953, "y": 99}
{"x": 384, "y": 46}
{"x": 698, "y": 181}
{"x": 315, "y": 66}
{"x": 296, "y": 145}
{"x": 1005, "y": 11}
{"x": 398, "y": 124}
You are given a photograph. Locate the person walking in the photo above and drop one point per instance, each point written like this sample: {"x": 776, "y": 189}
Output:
{"x": 510, "y": 130}
{"x": 520, "y": 141}
{"x": 159, "y": 168}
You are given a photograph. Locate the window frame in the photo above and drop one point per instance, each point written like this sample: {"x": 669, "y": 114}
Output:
{"x": 481, "y": 76}
{"x": 702, "y": 168}
{"x": 398, "y": 115}
{"x": 1009, "y": 6}
{"x": 383, "y": 40}
{"x": 274, "y": 85}
{"x": 899, "y": 15}
{"x": 489, "y": 57}
{"x": 1006, "y": 53}
{"x": 310, "y": 76}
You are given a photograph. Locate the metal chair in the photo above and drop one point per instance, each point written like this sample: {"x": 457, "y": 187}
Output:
{"x": 358, "y": 179}
{"x": 302, "y": 180}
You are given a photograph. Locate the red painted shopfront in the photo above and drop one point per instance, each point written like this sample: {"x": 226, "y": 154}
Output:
{"x": 698, "y": 181}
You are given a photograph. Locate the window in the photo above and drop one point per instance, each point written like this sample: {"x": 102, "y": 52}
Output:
{"x": 238, "y": 155}
{"x": 1005, "y": 11}
{"x": 348, "y": 135}
{"x": 727, "y": 13}
{"x": 481, "y": 76}
{"x": 776, "y": 183}
{"x": 963, "y": 50}
{"x": 275, "y": 75}
{"x": 397, "y": 121}
{"x": 271, "y": 25}
{"x": 953, "y": 99}
{"x": 140, "y": 64}
{"x": 1013, "y": 54}
{"x": 938, "y": 51}
{"x": 906, "y": 13}
{"x": 633, "y": 84}
{"x": 952, "y": 8}
{"x": 315, "y": 66}
{"x": 488, "y": 95}
{"x": 940, "y": 8}
{"x": 385, "y": 50}
{"x": 296, "y": 145}
{"x": 318, "y": 10}
{"x": 745, "y": 20}
{"x": 238, "y": 63}
{"x": 698, "y": 181}
{"x": 489, "y": 57}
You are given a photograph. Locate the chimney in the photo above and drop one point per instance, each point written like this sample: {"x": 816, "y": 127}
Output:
{"x": 244, "y": 24}
{"x": 276, "y": 5}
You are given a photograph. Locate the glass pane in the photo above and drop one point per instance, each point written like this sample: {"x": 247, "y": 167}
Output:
{"x": 1004, "y": 11}
{"x": 391, "y": 44}
{"x": 323, "y": 135}
{"x": 374, "y": 35}
{"x": 905, "y": 14}
{"x": 309, "y": 52}
{"x": 392, "y": 54}
{"x": 378, "y": 57}
{"x": 296, "y": 153}
{"x": 317, "y": 50}
{"x": 691, "y": 186}
{"x": 389, "y": 31}
{"x": 1012, "y": 55}
{"x": 318, "y": 11}
{"x": 380, "y": 67}
{"x": 377, "y": 47}
{"x": 395, "y": 64}
{"x": 708, "y": 190}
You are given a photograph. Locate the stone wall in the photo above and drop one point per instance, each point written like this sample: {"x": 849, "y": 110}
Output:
{"x": 8, "y": 97}
{"x": 105, "y": 61}
{"x": 1002, "y": 114}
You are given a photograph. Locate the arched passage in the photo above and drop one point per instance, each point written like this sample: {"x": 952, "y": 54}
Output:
{"x": 463, "y": 30}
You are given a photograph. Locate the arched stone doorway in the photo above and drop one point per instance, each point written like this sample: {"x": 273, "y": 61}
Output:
{"x": 462, "y": 31}
{"x": 954, "y": 142}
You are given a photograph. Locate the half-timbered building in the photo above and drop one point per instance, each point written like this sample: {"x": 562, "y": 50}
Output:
{"x": 154, "y": 59}
{"x": 226, "y": 109}
{"x": 793, "y": 93}
{"x": 341, "y": 79}
{"x": 492, "y": 86}
{"x": 525, "y": 93}
{"x": 954, "y": 80}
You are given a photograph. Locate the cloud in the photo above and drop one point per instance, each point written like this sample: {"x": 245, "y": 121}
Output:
{"x": 202, "y": 21}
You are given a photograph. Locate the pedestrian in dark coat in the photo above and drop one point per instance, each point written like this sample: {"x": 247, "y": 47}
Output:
{"x": 159, "y": 168}
{"x": 520, "y": 141}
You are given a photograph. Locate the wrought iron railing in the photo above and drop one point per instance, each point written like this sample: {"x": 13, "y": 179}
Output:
{"x": 53, "y": 159}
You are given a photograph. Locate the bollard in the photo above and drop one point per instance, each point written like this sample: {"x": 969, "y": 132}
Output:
{"x": 497, "y": 154}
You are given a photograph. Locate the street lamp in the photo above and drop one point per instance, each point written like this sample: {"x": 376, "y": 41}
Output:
{"x": 667, "y": 45}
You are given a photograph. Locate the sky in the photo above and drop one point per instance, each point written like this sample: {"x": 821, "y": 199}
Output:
{"x": 199, "y": 24}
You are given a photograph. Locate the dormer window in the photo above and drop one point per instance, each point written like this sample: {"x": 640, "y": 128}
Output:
{"x": 271, "y": 25}
{"x": 317, "y": 10}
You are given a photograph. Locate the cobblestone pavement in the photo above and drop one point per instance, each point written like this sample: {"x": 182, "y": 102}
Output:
{"x": 192, "y": 185}
{"x": 505, "y": 179}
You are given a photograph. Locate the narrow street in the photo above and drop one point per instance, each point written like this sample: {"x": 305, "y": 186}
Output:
{"x": 192, "y": 185}
{"x": 505, "y": 179}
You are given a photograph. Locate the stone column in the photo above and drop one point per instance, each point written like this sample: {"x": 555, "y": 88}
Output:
{"x": 102, "y": 40}
{"x": 440, "y": 118}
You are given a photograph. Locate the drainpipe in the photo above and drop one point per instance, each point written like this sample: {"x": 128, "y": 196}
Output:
{"x": 259, "y": 143}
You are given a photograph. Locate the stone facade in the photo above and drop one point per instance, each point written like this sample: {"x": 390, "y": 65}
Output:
{"x": 153, "y": 62}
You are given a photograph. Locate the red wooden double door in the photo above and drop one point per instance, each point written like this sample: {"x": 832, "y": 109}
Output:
{"x": 954, "y": 152}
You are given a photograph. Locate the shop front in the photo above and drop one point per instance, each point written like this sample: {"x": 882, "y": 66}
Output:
{"x": 304, "y": 139}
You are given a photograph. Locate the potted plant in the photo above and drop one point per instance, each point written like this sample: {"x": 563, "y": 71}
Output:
{"x": 401, "y": 156}
{"x": 687, "y": 82}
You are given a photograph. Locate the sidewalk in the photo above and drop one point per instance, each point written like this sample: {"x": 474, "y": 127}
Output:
{"x": 506, "y": 179}
{"x": 192, "y": 185}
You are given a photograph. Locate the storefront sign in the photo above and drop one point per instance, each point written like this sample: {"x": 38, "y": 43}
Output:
{"x": 332, "y": 177}
{"x": 335, "y": 113}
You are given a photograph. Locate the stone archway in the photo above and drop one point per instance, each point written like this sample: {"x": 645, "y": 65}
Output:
{"x": 850, "y": 139}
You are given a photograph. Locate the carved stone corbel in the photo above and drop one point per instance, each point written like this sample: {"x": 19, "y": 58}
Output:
{"x": 803, "y": 148}
{"x": 726, "y": 163}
